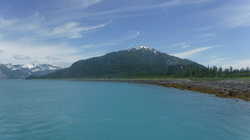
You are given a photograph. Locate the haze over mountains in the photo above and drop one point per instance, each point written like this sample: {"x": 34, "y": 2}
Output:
{"x": 132, "y": 63}
{"x": 10, "y": 71}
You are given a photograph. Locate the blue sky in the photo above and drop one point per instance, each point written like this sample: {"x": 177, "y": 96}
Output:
{"x": 61, "y": 32}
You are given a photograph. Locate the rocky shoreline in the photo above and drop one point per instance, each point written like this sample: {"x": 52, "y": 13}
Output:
{"x": 222, "y": 88}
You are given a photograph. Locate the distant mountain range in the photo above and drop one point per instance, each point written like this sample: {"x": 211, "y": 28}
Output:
{"x": 132, "y": 63}
{"x": 10, "y": 71}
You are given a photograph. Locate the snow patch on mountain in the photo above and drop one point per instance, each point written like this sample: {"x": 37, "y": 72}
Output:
{"x": 29, "y": 66}
{"x": 32, "y": 67}
{"x": 25, "y": 70}
{"x": 145, "y": 48}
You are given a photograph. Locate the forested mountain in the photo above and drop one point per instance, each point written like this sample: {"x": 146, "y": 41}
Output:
{"x": 132, "y": 63}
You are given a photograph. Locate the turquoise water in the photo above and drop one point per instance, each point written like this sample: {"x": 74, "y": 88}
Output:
{"x": 68, "y": 110}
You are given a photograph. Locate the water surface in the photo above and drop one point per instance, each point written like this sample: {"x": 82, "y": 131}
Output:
{"x": 71, "y": 110}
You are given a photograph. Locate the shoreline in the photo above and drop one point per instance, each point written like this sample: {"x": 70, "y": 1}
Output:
{"x": 238, "y": 89}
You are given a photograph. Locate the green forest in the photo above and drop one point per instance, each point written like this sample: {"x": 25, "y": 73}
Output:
{"x": 215, "y": 71}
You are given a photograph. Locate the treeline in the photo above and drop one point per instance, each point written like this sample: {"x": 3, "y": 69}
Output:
{"x": 217, "y": 72}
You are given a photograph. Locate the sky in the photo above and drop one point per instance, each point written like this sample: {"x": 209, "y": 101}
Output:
{"x": 60, "y": 32}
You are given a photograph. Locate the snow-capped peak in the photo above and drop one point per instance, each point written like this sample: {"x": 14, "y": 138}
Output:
{"x": 145, "y": 48}
{"x": 32, "y": 67}
{"x": 29, "y": 66}
{"x": 142, "y": 47}
{"x": 25, "y": 70}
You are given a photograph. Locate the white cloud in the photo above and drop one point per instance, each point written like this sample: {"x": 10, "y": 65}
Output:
{"x": 84, "y": 3}
{"x": 69, "y": 5}
{"x": 119, "y": 12}
{"x": 207, "y": 35}
{"x": 21, "y": 57}
{"x": 131, "y": 36}
{"x": 182, "y": 45}
{"x": 239, "y": 17}
{"x": 6, "y": 23}
{"x": 169, "y": 3}
{"x": 20, "y": 53}
{"x": 204, "y": 28}
{"x": 233, "y": 14}
{"x": 27, "y": 24}
{"x": 72, "y": 30}
{"x": 192, "y": 52}
{"x": 35, "y": 26}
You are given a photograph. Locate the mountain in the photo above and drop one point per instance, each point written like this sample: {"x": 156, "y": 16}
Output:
{"x": 10, "y": 71}
{"x": 132, "y": 63}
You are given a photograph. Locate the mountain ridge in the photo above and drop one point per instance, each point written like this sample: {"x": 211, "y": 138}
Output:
{"x": 22, "y": 71}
